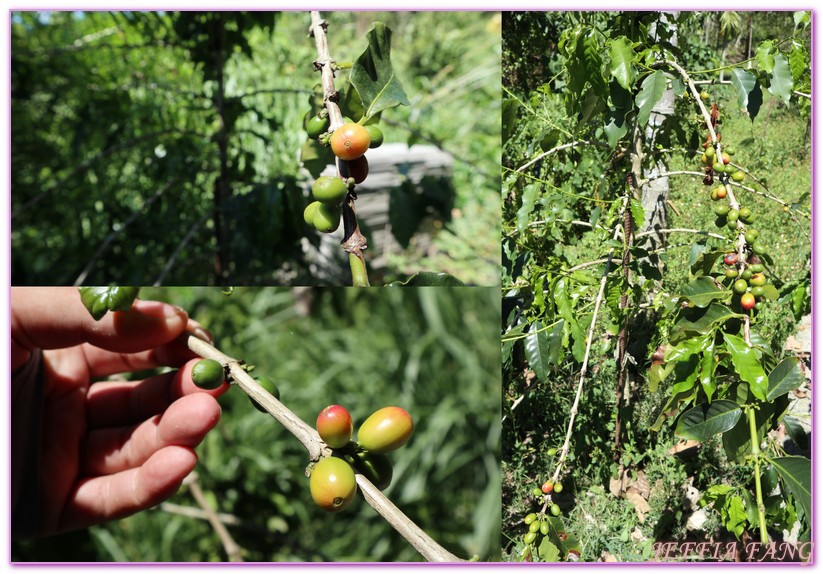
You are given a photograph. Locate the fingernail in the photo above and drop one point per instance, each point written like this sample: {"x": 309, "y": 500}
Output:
{"x": 158, "y": 310}
{"x": 200, "y": 333}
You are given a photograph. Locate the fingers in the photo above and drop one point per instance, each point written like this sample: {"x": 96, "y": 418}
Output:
{"x": 185, "y": 423}
{"x": 54, "y": 317}
{"x": 119, "y": 404}
{"x": 103, "y": 498}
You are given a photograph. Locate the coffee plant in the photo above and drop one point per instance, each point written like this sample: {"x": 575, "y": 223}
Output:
{"x": 632, "y": 344}
{"x": 339, "y": 467}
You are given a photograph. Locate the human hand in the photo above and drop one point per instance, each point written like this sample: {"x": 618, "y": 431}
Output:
{"x": 109, "y": 449}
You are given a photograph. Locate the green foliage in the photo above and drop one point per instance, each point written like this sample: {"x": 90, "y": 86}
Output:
{"x": 570, "y": 139}
{"x": 162, "y": 147}
{"x": 432, "y": 351}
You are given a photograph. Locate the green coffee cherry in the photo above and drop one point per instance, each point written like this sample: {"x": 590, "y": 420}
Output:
{"x": 740, "y": 286}
{"x": 317, "y": 126}
{"x": 555, "y": 510}
{"x": 327, "y": 218}
{"x": 329, "y": 190}
{"x": 530, "y": 537}
{"x": 376, "y": 136}
{"x": 208, "y": 374}
{"x": 534, "y": 527}
{"x": 269, "y": 386}
{"x": 530, "y": 518}
{"x": 721, "y": 210}
{"x": 376, "y": 467}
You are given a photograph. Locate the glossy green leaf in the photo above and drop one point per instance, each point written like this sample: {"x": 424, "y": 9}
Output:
{"x": 764, "y": 55}
{"x": 651, "y": 90}
{"x": 707, "y": 366}
{"x": 638, "y": 213}
{"x": 702, "y": 292}
{"x": 700, "y": 321}
{"x": 704, "y": 421}
{"x": 785, "y": 377}
{"x": 747, "y": 88}
{"x": 747, "y": 365}
{"x": 100, "y": 300}
{"x": 537, "y": 350}
{"x": 372, "y": 74}
{"x": 796, "y": 432}
{"x": 796, "y": 474}
{"x": 548, "y": 552}
{"x": 621, "y": 63}
{"x": 524, "y": 214}
{"x": 737, "y": 441}
{"x": 509, "y": 117}
{"x": 684, "y": 350}
{"x": 571, "y": 315}
{"x": 782, "y": 83}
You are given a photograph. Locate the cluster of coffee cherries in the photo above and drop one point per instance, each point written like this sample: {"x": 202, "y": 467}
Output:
{"x": 332, "y": 482}
{"x": 349, "y": 144}
{"x": 539, "y": 522}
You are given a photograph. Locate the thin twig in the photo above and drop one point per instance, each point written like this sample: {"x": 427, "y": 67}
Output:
{"x": 557, "y": 149}
{"x": 200, "y": 514}
{"x": 233, "y": 550}
{"x": 583, "y": 369}
{"x": 317, "y": 449}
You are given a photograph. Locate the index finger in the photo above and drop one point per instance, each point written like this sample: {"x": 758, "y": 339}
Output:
{"x": 55, "y": 317}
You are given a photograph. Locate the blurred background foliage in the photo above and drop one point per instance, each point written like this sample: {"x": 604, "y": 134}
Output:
{"x": 432, "y": 351}
{"x": 162, "y": 147}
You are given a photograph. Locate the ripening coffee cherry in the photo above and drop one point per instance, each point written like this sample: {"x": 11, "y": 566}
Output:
{"x": 547, "y": 487}
{"x": 385, "y": 430}
{"x": 317, "y": 126}
{"x": 721, "y": 191}
{"x": 740, "y": 286}
{"x": 269, "y": 386}
{"x": 376, "y": 136}
{"x": 725, "y": 158}
{"x": 208, "y": 374}
{"x": 332, "y": 484}
{"x": 730, "y": 258}
{"x": 747, "y": 301}
{"x": 738, "y": 176}
{"x": 350, "y": 141}
{"x": 704, "y": 159}
{"x": 757, "y": 279}
{"x": 719, "y": 167}
{"x": 731, "y": 273}
{"x": 326, "y": 217}
{"x": 358, "y": 169}
{"x": 705, "y": 96}
{"x": 334, "y": 425}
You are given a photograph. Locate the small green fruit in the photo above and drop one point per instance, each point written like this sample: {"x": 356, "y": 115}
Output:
{"x": 733, "y": 215}
{"x": 327, "y": 218}
{"x": 317, "y": 126}
{"x": 758, "y": 291}
{"x": 705, "y": 96}
{"x": 751, "y": 236}
{"x": 719, "y": 167}
{"x": 385, "y": 430}
{"x": 208, "y": 374}
{"x": 757, "y": 267}
{"x": 552, "y": 451}
{"x": 530, "y": 518}
{"x": 730, "y": 150}
{"x": 721, "y": 210}
{"x": 530, "y": 537}
{"x": 544, "y": 528}
{"x": 555, "y": 510}
{"x": 746, "y": 275}
{"x": 740, "y": 286}
{"x": 330, "y": 190}
{"x": 534, "y": 527}
{"x": 558, "y": 487}
{"x": 746, "y": 215}
{"x": 376, "y": 136}
{"x": 759, "y": 248}
{"x": 376, "y": 467}
{"x": 309, "y": 213}
{"x": 709, "y": 152}
{"x": 738, "y": 176}
{"x": 731, "y": 273}
{"x": 269, "y": 386}
{"x": 537, "y": 492}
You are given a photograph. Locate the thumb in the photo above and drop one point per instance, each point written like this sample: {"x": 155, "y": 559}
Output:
{"x": 55, "y": 318}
